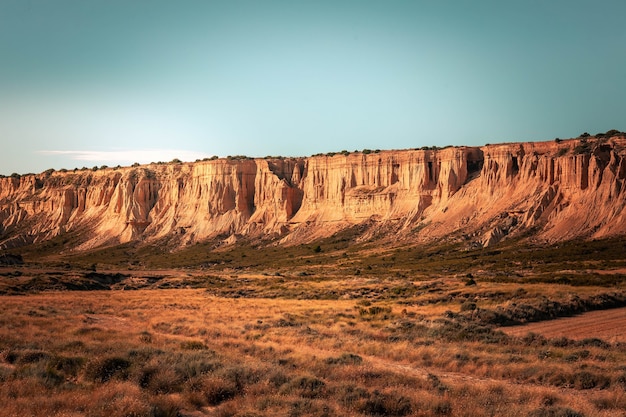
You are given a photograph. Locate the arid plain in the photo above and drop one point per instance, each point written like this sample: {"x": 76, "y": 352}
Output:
{"x": 348, "y": 329}
{"x": 304, "y": 310}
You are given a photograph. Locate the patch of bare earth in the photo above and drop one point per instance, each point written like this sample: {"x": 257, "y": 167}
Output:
{"x": 608, "y": 325}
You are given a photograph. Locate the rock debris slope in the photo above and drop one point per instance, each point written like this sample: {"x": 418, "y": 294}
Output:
{"x": 548, "y": 190}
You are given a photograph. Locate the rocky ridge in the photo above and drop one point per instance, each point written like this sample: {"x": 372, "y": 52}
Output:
{"x": 551, "y": 191}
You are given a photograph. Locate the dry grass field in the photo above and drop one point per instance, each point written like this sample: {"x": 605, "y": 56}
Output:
{"x": 188, "y": 352}
{"x": 345, "y": 334}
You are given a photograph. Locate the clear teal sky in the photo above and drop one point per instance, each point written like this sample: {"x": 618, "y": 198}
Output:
{"x": 90, "y": 82}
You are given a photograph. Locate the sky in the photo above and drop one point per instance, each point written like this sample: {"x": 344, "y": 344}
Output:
{"x": 108, "y": 82}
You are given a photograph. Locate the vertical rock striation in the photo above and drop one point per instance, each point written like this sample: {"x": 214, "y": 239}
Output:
{"x": 555, "y": 190}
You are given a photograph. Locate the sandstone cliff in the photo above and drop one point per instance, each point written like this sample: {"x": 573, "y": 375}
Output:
{"x": 549, "y": 190}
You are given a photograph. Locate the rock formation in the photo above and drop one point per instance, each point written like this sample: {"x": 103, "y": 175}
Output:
{"x": 549, "y": 190}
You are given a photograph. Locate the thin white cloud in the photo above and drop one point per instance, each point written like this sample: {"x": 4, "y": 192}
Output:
{"x": 131, "y": 155}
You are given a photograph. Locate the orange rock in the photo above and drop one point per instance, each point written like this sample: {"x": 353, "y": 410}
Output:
{"x": 479, "y": 194}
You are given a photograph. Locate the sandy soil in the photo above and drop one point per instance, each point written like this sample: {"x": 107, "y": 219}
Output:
{"x": 608, "y": 325}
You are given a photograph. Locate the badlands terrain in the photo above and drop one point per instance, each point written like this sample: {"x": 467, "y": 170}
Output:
{"x": 458, "y": 281}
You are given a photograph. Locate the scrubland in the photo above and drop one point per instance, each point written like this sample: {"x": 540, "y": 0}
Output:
{"x": 287, "y": 337}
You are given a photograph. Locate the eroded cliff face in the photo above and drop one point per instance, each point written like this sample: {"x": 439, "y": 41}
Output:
{"x": 480, "y": 195}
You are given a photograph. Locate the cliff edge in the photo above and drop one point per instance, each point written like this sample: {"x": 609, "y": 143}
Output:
{"x": 551, "y": 191}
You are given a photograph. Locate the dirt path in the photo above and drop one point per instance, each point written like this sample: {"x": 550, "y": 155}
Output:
{"x": 608, "y": 325}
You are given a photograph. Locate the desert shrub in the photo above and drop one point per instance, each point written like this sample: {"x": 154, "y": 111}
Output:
{"x": 278, "y": 378}
{"x": 145, "y": 337}
{"x": 580, "y": 354}
{"x": 345, "y": 359}
{"x": 217, "y": 390}
{"x": 143, "y": 354}
{"x": 40, "y": 371}
{"x": 560, "y": 342}
{"x": 195, "y": 397}
{"x": 456, "y": 331}
{"x": 146, "y": 375}
{"x": 582, "y": 148}
{"x": 487, "y": 316}
{"x": 442, "y": 408}
{"x": 534, "y": 339}
{"x": 287, "y": 321}
{"x": 468, "y": 306}
{"x": 190, "y": 365}
{"x": 376, "y": 311}
{"x": 589, "y": 380}
{"x": 9, "y": 356}
{"x": 555, "y": 412}
{"x": 386, "y": 404}
{"x": 193, "y": 345}
{"x": 5, "y": 372}
{"x": 104, "y": 369}
{"x": 595, "y": 342}
{"x": 29, "y": 356}
{"x": 160, "y": 380}
{"x": 609, "y": 401}
{"x": 351, "y": 396}
{"x": 69, "y": 366}
{"x": 307, "y": 407}
{"x": 163, "y": 407}
{"x": 609, "y": 133}
{"x": 436, "y": 383}
{"x": 240, "y": 376}
{"x": 121, "y": 399}
{"x": 558, "y": 379}
{"x": 74, "y": 345}
{"x": 305, "y": 386}
{"x": 408, "y": 330}
{"x": 621, "y": 380}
